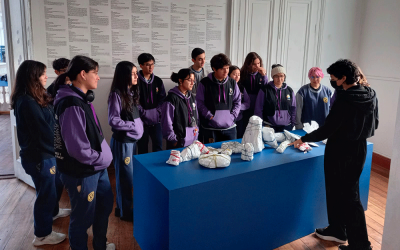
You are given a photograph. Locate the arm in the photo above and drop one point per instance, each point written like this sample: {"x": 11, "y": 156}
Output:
{"x": 245, "y": 101}
{"x": 332, "y": 123}
{"x": 200, "y": 102}
{"x": 293, "y": 110}
{"x": 259, "y": 106}
{"x": 333, "y": 98}
{"x": 114, "y": 114}
{"x": 236, "y": 102}
{"x": 73, "y": 131}
{"x": 299, "y": 110}
{"x": 167, "y": 121}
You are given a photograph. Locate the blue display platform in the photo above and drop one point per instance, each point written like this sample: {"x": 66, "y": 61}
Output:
{"x": 262, "y": 204}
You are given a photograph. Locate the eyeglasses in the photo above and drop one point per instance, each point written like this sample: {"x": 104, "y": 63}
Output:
{"x": 315, "y": 77}
{"x": 189, "y": 79}
{"x": 149, "y": 65}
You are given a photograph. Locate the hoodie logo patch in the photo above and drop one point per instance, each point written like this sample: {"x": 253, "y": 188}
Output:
{"x": 288, "y": 97}
{"x": 230, "y": 91}
{"x": 194, "y": 106}
{"x": 156, "y": 90}
{"x": 325, "y": 99}
{"x": 260, "y": 81}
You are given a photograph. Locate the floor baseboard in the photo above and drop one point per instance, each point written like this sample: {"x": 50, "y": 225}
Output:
{"x": 381, "y": 160}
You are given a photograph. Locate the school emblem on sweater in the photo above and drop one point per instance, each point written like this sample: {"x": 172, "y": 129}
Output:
{"x": 288, "y": 97}
{"x": 53, "y": 170}
{"x": 90, "y": 196}
{"x": 325, "y": 99}
{"x": 230, "y": 91}
{"x": 156, "y": 90}
{"x": 127, "y": 160}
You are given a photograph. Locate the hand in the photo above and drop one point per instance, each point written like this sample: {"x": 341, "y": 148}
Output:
{"x": 211, "y": 118}
{"x": 262, "y": 71}
{"x": 296, "y": 143}
{"x": 176, "y": 143}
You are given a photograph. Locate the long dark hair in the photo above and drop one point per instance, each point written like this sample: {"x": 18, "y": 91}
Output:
{"x": 247, "y": 63}
{"x": 27, "y": 82}
{"x": 75, "y": 66}
{"x": 121, "y": 81}
{"x": 182, "y": 74}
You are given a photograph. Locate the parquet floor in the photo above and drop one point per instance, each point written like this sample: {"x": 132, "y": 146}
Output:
{"x": 16, "y": 218}
{"x": 6, "y": 154}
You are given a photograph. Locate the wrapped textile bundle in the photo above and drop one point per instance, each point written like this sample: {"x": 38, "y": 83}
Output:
{"x": 253, "y": 134}
{"x": 203, "y": 149}
{"x": 190, "y": 152}
{"x": 283, "y": 146}
{"x": 305, "y": 147}
{"x": 248, "y": 152}
{"x": 280, "y": 137}
{"x": 235, "y": 146}
{"x": 225, "y": 151}
{"x": 268, "y": 135}
{"x": 214, "y": 160}
{"x": 174, "y": 157}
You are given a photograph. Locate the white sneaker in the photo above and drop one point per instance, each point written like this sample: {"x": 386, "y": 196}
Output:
{"x": 62, "y": 212}
{"x": 51, "y": 239}
{"x": 110, "y": 246}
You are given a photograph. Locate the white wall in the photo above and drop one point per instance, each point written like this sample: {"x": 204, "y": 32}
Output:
{"x": 342, "y": 32}
{"x": 379, "y": 60}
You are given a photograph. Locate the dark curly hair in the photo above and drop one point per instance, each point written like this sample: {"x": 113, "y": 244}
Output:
{"x": 347, "y": 68}
{"x": 219, "y": 61}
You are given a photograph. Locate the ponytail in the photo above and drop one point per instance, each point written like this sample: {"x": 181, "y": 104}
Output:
{"x": 181, "y": 75}
{"x": 60, "y": 80}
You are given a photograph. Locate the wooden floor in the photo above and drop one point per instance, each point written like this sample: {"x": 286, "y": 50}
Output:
{"x": 6, "y": 154}
{"x": 16, "y": 218}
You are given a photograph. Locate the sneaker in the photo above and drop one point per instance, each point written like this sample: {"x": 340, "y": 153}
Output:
{"x": 62, "y": 212}
{"x": 110, "y": 246}
{"x": 51, "y": 239}
{"x": 343, "y": 247}
{"x": 329, "y": 234}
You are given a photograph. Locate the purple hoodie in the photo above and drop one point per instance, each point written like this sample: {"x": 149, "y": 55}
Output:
{"x": 282, "y": 117}
{"x": 167, "y": 119}
{"x": 73, "y": 131}
{"x": 223, "y": 119}
{"x": 151, "y": 116}
{"x": 134, "y": 129}
{"x": 245, "y": 98}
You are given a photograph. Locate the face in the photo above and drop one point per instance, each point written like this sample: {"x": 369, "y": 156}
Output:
{"x": 91, "y": 79}
{"x": 61, "y": 71}
{"x": 339, "y": 82}
{"x": 235, "y": 75}
{"x": 315, "y": 80}
{"x": 43, "y": 78}
{"x": 279, "y": 79}
{"x": 255, "y": 65}
{"x": 147, "y": 67}
{"x": 200, "y": 60}
{"x": 221, "y": 73}
{"x": 188, "y": 82}
{"x": 134, "y": 76}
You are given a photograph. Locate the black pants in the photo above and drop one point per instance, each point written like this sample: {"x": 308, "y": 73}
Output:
{"x": 281, "y": 128}
{"x": 240, "y": 128}
{"x": 155, "y": 134}
{"x": 344, "y": 162}
{"x": 211, "y": 136}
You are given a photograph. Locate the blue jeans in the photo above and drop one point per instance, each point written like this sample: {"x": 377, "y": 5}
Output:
{"x": 91, "y": 204}
{"x": 48, "y": 192}
{"x": 154, "y": 131}
{"x": 122, "y": 158}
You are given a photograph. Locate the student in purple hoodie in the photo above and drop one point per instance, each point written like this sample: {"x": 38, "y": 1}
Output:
{"x": 127, "y": 127}
{"x": 234, "y": 73}
{"x": 218, "y": 99}
{"x": 152, "y": 95}
{"x": 253, "y": 78}
{"x": 83, "y": 154}
{"x": 179, "y": 117}
{"x": 276, "y": 103}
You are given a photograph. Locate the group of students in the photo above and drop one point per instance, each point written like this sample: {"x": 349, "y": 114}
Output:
{"x": 62, "y": 142}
